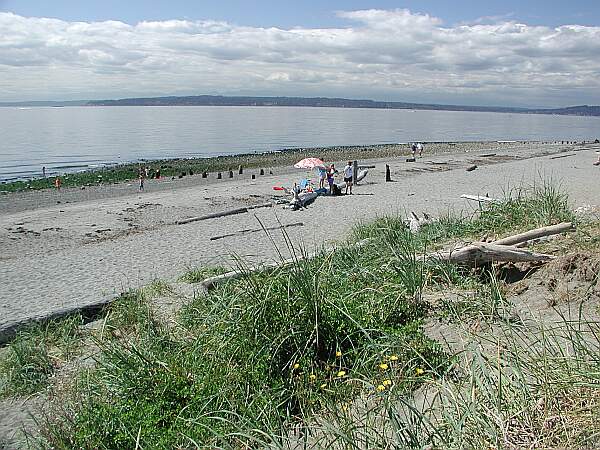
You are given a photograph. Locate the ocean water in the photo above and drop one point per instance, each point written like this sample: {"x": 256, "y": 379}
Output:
{"x": 78, "y": 138}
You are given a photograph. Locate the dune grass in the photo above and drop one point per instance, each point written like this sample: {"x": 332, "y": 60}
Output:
{"x": 31, "y": 358}
{"x": 321, "y": 353}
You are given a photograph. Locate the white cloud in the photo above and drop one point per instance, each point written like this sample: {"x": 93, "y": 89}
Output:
{"x": 395, "y": 54}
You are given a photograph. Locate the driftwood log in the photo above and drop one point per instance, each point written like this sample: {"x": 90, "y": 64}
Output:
{"x": 479, "y": 198}
{"x": 229, "y": 212}
{"x": 535, "y": 234}
{"x": 481, "y": 253}
{"x": 502, "y": 250}
{"x": 256, "y": 230}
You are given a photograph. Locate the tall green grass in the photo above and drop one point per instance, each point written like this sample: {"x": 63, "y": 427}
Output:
{"x": 326, "y": 347}
{"x": 31, "y": 358}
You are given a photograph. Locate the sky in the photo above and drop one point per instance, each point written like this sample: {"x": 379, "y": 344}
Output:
{"x": 506, "y": 53}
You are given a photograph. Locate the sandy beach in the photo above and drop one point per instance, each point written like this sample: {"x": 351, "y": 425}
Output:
{"x": 68, "y": 249}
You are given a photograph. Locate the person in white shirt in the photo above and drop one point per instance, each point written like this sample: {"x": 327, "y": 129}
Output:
{"x": 420, "y": 149}
{"x": 348, "y": 174}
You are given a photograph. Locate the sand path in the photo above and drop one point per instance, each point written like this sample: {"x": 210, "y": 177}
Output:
{"x": 61, "y": 257}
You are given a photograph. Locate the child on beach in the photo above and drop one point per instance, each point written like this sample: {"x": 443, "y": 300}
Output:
{"x": 348, "y": 175}
{"x": 322, "y": 176}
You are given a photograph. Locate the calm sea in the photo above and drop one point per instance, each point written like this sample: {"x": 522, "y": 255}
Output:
{"x": 77, "y": 138}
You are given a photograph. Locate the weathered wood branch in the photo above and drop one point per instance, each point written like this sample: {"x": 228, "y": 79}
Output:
{"x": 256, "y": 230}
{"x": 479, "y": 198}
{"x": 535, "y": 234}
{"x": 481, "y": 253}
{"x": 229, "y": 212}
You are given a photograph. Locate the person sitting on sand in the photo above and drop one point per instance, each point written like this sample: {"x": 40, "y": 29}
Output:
{"x": 420, "y": 149}
{"x": 330, "y": 177}
{"x": 348, "y": 174}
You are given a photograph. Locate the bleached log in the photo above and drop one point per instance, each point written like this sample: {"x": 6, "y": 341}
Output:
{"x": 229, "y": 212}
{"x": 256, "y": 230}
{"x": 480, "y": 253}
{"x": 535, "y": 234}
{"x": 480, "y": 198}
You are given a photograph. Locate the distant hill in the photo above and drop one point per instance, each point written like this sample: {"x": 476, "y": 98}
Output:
{"x": 317, "y": 102}
{"x": 219, "y": 100}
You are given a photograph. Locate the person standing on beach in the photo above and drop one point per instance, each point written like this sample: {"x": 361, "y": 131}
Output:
{"x": 330, "y": 177}
{"x": 413, "y": 149}
{"x": 44, "y": 171}
{"x": 142, "y": 176}
{"x": 420, "y": 149}
{"x": 57, "y": 183}
{"x": 322, "y": 176}
{"x": 348, "y": 176}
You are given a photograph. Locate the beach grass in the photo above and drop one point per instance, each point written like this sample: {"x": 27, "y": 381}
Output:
{"x": 32, "y": 356}
{"x": 330, "y": 352}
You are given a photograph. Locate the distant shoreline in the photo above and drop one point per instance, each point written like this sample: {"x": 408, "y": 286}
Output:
{"x": 316, "y": 102}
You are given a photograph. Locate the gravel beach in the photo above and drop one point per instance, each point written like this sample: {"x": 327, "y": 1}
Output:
{"x": 68, "y": 249}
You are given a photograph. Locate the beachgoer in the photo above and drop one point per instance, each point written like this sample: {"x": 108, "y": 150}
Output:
{"x": 331, "y": 178}
{"x": 141, "y": 176}
{"x": 322, "y": 176}
{"x": 147, "y": 172}
{"x": 44, "y": 171}
{"x": 57, "y": 183}
{"x": 348, "y": 174}
{"x": 420, "y": 149}
{"x": 158, "y": 173}
{"x": 413, "y": 149}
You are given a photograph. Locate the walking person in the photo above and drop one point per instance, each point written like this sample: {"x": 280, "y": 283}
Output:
{"x": 413, "y": 149}
{"x": 348, "y": 176}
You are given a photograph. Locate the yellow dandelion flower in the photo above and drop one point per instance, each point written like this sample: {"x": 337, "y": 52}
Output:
{"x": 312, "y": 377}
{"x": 338, "y": 353}
{"x": 380, "y": 388}
{"x": 393, "y": 358}
{"x": 323, "y": 386}
{"x": 296, "y": 366}
{"x": 387, "y": 382}
{"x": 383, "y": 366}
{"x": 419, "y": 371}
{"x": 341, "y": 373}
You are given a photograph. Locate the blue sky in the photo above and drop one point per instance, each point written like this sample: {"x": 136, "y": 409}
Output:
{"x": 308, "y": 13}
{"x": 513, "y": 53}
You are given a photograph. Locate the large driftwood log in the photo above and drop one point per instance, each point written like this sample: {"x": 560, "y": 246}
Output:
{"x": 230, "y": 212}
{"x": 481, "y": 253}
{"x": 535, "y": 234}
